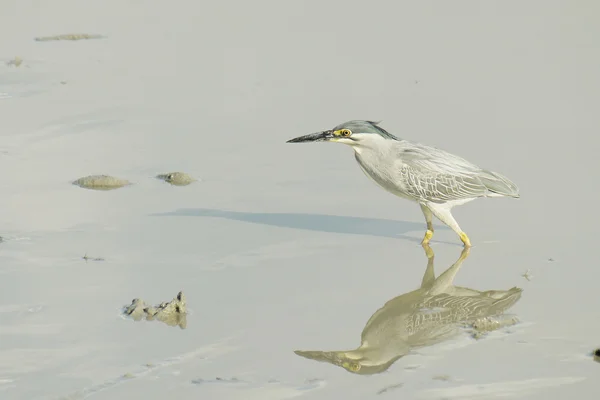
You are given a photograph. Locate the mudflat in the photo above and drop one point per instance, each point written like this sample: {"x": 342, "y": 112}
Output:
{"x": 285, "y": 248}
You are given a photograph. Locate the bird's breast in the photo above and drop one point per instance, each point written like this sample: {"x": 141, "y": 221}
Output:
{"x": 383, "y": 174}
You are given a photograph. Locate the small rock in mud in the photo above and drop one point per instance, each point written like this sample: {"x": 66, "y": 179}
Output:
{"x": 173, "y": 313}
{"x": 87, "y": 258}
{"x": 485, "y": 325}
{"x": 176, "y": 178}
{"x": 101, "y": 182}
{"x": 527, "y": 275}
{"x": 17, "y": 61}
{"x": 68, "y": 36}
{"x": 597, "y": 355}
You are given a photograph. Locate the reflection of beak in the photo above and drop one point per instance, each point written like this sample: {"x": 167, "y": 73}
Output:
{"x": 314, "y": 137}
{"x": 326, "y": 356}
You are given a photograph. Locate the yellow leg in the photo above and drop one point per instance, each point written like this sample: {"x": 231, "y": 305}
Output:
{"x": 465, "y": 239}
{"x": 428, "y": 236}
{"x": 443, "y": 213}
{"x": 428, "y": 217}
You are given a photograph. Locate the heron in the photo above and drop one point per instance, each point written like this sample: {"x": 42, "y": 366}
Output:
{"x": 434, "y": 178}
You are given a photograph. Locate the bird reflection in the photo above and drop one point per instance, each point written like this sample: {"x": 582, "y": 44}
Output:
{"x": 433, "y": 313}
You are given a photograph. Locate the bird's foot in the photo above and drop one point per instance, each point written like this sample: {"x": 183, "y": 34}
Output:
{"x": 427, "y": 238}
{"x": 465, "y": 239}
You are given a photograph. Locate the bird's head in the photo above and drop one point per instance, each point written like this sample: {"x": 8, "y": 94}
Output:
{"x": 356, "y": 133}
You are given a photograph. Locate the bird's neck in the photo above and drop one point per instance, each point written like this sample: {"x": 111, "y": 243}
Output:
{"x": 374, "y": 147}
{"x": 371, "y": 154}
{"x": 381, "y": 353}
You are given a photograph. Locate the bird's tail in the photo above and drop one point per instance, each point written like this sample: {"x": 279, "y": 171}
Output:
{"x": 499, "y": 185}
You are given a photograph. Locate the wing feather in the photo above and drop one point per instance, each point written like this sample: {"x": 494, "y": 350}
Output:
{"x": 438, "y": 176}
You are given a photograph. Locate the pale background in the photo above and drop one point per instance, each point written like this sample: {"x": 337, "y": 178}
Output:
{"x": 282, "y": 247}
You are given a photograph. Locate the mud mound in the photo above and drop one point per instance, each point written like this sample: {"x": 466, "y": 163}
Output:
{"x": 176, "y": 178}
{"x": 101, "y": 182}
{"x": 173, "y": 313}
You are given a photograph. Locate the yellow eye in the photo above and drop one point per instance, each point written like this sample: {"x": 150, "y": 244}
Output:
{"x": 354, "y": 367}
{"x": 345, "y": 132}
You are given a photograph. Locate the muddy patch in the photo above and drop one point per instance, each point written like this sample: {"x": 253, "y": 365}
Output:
{"x": 483, "y": 326}
{"x": 390, "y": 388}
{"x": 172, "y": 313}
{"x": 101, "y": 182}
{"x": 68, "y": 36}
{"x": 201, "y": 381}
{"x": 176, "y": 178}
{"x": 88, "y": 258}
{"x": 15, "y": 62}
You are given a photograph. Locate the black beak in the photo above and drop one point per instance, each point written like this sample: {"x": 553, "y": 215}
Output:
{"x": 313, "y": 137}
{"x": 324, "y": 356}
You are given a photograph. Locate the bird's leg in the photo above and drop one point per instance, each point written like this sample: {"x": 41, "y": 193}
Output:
{"x": 429, "y": 276}
{"x": 444, "y": 215}
{"x": 428, "y": 251}
{"x": 428, "y": 217}
{"x": 446, "y": 278}
{"x": 465, "y": 239}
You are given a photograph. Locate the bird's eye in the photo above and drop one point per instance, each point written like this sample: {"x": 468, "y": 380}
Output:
{"x": 345, "y": 132}
{"x": 354, "y": 367}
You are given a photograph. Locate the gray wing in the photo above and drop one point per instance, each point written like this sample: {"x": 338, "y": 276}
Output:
{"x": 435, "y": 175}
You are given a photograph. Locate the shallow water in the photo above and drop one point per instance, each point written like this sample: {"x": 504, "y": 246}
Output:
{"x": 282, "y": 247}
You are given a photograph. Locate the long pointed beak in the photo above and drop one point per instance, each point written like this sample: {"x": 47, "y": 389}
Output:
{"x": 324, "y": 356}
{"x": 323, "y": 136}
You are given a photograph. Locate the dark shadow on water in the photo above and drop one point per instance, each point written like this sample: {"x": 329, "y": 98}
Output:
{"x": 316, "y": 222}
